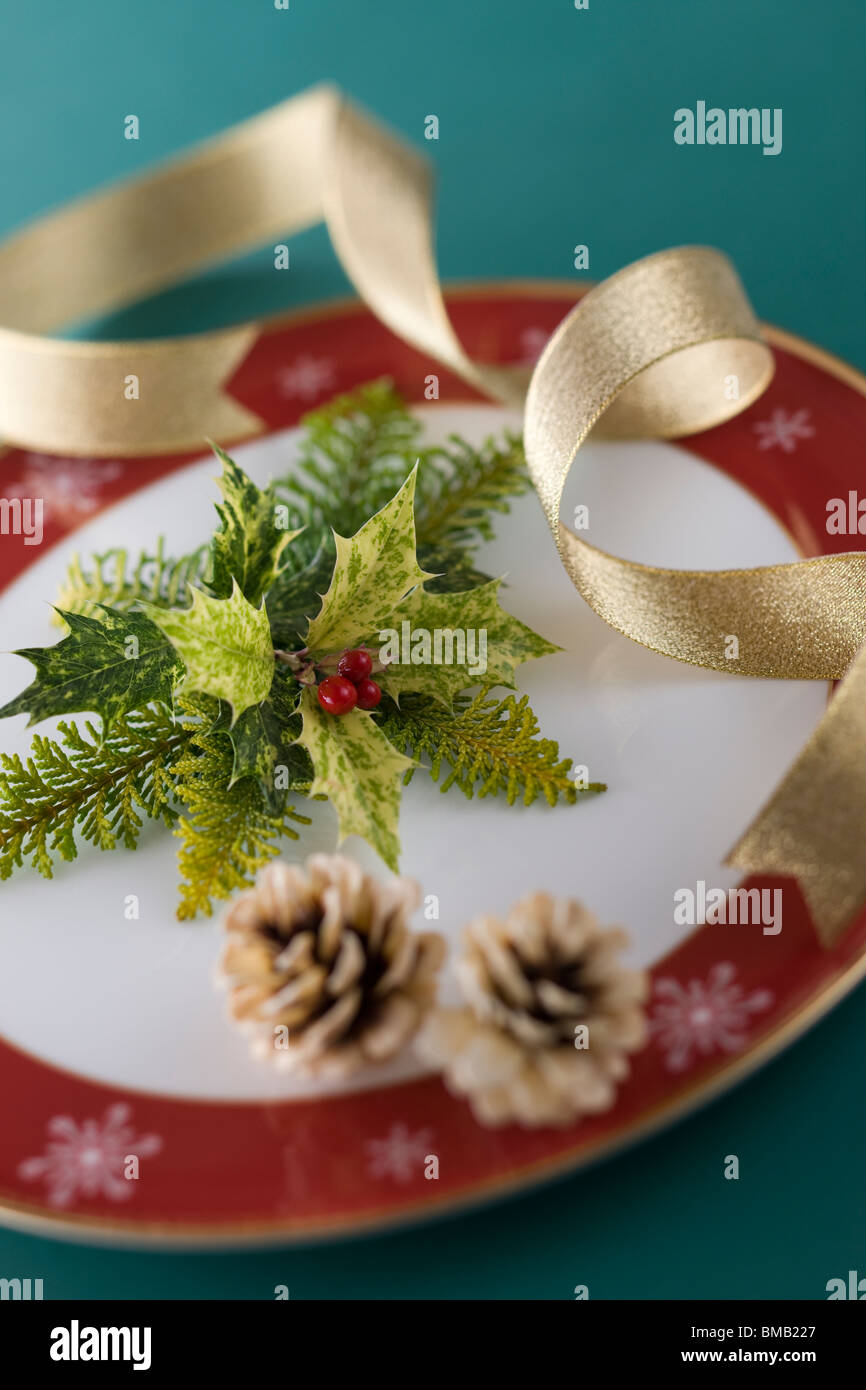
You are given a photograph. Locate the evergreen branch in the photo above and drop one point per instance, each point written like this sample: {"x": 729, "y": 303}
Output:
{"x": 356, "y": 453}
{"x": 490, "y": 746}
{"x": 228, "y": 831}
{"x": 460, "y": 486}
{"x": 93, "y": 783}
{"x": 116, "y": 580}
{"x": 359, "y": 450}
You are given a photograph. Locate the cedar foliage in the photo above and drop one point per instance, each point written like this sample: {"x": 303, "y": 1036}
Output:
{"x": 486, "y": 748}
{"x": 99, "y": 786}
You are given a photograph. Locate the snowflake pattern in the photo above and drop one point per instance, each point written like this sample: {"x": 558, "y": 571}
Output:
{"x": 307, "y": 377}
{"x": 88, "y": 1159}
{"x": 783, "y": 429}
{"x": 400, "y": 1155}
{"x": 700, "y": 1017}
{"x": 71, "y": 489}
{"x": 532, "y": 343}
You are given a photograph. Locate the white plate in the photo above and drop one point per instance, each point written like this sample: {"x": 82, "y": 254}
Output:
{"x": 688, "y": 756}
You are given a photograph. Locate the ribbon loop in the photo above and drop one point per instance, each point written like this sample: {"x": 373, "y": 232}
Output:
{"x": 648, "y": 353}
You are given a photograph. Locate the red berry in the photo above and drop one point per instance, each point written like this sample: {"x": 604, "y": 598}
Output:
{"x": 337, "y": 695}
{"x": 368, "y": 694}
{"x": 355, "y": 665}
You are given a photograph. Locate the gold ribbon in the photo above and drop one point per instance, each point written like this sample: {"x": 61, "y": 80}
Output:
{"x": 648, "y": 353}
{"x": 310, "y": 158}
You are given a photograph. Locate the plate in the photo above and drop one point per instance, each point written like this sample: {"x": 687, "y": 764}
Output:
{"x": 113, "y": 1040}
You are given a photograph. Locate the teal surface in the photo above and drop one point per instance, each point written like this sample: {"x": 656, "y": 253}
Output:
{"x": 556, "y": 128}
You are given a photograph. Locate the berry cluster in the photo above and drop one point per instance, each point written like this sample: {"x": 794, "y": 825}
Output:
{"x": 351, "y": 686}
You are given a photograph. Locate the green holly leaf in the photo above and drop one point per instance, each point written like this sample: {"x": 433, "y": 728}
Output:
{"x": 293, "y": 597}
{"x": 264, "y": 743}
{"x": 475, "y": 640}
{"x": 359, "y": 771}
{"x": 250, "y": 542}
{"x": 257, "y": 738}
{"x": 373, "y": 572}
{"x": 110, "y": 663}
{"x": 225, "y": 645}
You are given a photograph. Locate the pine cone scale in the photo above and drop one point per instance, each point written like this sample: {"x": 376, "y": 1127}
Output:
{"x": 348, "y": 966}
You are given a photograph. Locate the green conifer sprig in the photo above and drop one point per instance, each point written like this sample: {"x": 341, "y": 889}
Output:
{"x": 228, "y": 831}
{"x": 119, "y": 580}
{"x": 459, "y": 487}
{"x": 359, "y": 450}
{"x": 98, "y": 785}
{"x": 487, "y": 747}
{"x": 355, "y": 454}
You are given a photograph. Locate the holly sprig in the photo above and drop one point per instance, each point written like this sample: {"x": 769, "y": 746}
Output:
{"x": 232, "y": 682}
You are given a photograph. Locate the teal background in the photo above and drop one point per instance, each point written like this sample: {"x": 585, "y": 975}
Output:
{"x": 556, "y": 128}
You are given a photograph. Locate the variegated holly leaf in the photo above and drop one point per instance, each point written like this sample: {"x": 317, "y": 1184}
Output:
{"x": 359, "y": 772}
{"x": 225, "y": 645}
{"x": 110, "y": 663}
{"x": 250, "y": 541}
{"x": 441, "y": 644}
{"x": 264, "y": 744}
{"x": 374, "y": 570}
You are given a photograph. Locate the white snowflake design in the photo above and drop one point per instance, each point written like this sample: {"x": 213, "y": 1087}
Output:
{"x": 700, "y": 1017}
{"x": 532, "y": 344}
{"x": 783, "y": 429}
{"x": 71, "y": 489}
{"x": 400, "y": 1155}
{"x": 307, "y": 377}
{"x": 88, "y": 1159}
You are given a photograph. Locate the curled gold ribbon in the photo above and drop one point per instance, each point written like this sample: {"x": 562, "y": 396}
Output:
{"x": 310, "y": 158}
{"x": 645, "y": 354}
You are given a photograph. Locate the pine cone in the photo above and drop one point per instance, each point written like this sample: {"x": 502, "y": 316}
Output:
{"x": 323, "y": 968}
{"x": 517, "y": 1052}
